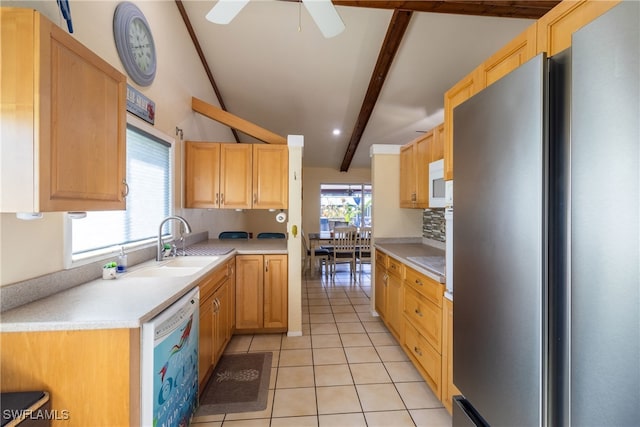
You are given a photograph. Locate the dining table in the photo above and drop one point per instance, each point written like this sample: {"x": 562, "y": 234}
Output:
{"x": 316, "y": 240}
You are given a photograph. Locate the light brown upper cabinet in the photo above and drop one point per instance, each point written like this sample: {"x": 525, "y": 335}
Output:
{"x": 63, "y": 120}
{"x": 217, "y": 175}
{"x": 270, "y": 176}
{"x": 551, "y": 34}
{"x": 556, "y": 26}
{"x": 202, "y": 175}
{"x": 463, "y": 90}
{"x": 408, "y": 191}
{"x": 511, "y": 56}
{"x": 414, "y": 167}
{"x": 236, "y": 176}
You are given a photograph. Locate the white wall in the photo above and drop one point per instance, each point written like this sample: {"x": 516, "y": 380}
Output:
{"x": 311, "y": 180}
{"x": 388, "y": 218}
{"x": 31, "y": 249}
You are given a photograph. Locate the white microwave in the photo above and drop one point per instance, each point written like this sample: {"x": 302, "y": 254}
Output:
{"x": 437, "y": 185}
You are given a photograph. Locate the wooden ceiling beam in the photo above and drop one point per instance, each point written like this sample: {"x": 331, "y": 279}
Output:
{"x": 235, "y": 122}
{"x": 203, "y": 60}
{"x": 529, "y": 9}
{"x": 393, "y": 38}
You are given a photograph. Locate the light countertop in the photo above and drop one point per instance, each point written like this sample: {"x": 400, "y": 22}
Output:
{"x": 125, "y": 302}
{"x": 405, "y": 251}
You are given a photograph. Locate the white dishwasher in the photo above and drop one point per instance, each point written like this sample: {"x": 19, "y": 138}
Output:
{"x": 169, "y": 364}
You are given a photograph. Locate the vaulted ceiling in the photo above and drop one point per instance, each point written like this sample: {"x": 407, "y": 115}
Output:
{"x": 381, "y": 81}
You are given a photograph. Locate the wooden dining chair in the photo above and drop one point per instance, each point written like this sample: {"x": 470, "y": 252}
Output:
{"x": 363, "y": 247}
{"x": 343, "y": 249}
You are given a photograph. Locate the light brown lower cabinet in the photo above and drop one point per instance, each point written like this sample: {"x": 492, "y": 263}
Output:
{"x": 92, "y": 376}
{"x": 423, "y": 326}
{"x": 216, "y": 324}
{"x": 425, "y": 358}
{"x": 411, "y": 306}
{"x": 388, "y": 292}
{"x": 448, "y": 388}
{"x": 261, "y": 293}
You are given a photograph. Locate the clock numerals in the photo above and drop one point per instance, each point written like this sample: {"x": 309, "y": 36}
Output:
{"x": 140, "y": 45}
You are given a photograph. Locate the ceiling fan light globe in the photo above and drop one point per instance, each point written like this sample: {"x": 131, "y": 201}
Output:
{"x": 325, "y": 16}
{"x": 224, "y": 11}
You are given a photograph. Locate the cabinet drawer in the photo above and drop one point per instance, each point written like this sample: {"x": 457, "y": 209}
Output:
{"x": 209, "y": 284}
{"x": 428, "y": 359}
{"x": 427, "y": 287}
{"x": 381, "y": 259}
{"x": 394, "y": 267}
{"x": 425, "y": 316}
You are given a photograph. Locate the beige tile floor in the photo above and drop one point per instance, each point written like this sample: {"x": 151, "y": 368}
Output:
{"x": 346, "y": 370}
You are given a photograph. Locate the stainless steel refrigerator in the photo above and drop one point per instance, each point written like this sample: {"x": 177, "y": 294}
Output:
{"x": 547, "y": 237}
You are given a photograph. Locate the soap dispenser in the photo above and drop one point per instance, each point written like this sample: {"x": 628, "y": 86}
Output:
{"x": 122, "y": 261}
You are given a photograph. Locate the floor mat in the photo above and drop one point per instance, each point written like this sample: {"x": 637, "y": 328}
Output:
{"x": 239, "y": 383}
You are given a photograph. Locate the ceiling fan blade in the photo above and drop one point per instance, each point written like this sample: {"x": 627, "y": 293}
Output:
{"x": 325, "y": 16}
{"x": 225, "y": 10}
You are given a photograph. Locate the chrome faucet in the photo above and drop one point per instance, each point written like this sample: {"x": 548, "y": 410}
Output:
{"x": 160, "y": 248}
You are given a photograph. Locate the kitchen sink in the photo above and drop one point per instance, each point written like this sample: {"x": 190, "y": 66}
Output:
{"x": 164, "y": 271}
{"x": 190, "y": 261}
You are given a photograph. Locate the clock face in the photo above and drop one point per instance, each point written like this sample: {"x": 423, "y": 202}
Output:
{"x": 140, "y": 45}
{"x": 134, "y": 43}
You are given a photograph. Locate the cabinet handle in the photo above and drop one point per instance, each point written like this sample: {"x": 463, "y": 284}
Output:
{"x": 217, "y": 198}
{"x": 267, "y": 265}
{"x": 221, "y": 198}
{"x": 418, "y": 282}
{"x": 255, "y": 198}
{"x": 418, "y": 312}
{"x": 216, "y": 302}
{"x": 417, "y": 351}
{"x": 125, "y": 193}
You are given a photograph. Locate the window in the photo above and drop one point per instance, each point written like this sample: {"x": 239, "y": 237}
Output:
{"x": 148, "y": 203}
{"x": 345, "y": 204}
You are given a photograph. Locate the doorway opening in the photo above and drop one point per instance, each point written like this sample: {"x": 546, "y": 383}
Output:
{"x": 345, "y": 204}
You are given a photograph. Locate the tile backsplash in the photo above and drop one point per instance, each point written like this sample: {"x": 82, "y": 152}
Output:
{"x": 433, "y": 225}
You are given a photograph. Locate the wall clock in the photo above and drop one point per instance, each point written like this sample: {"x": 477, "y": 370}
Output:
{"x": 134, "y": 43}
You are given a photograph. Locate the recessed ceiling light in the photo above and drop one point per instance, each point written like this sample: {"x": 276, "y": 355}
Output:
{"x": 336, "y": 132}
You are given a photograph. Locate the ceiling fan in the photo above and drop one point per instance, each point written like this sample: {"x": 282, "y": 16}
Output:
{"x": 323, "y": 13}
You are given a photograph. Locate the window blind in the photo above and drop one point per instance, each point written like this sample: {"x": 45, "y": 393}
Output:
{"x": 148, "y": 203}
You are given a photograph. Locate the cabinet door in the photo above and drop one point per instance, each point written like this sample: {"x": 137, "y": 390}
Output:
{"x": 86, "y": 158}
{"x": 68, "y": 107}
{"x": 220, "y": 321}
{"x": 276, "y": 292}
{"x": 205, "y": 336}
{"x": 463, "y": 90}
{"x": 448, "y": 389}
{"x": 235, "y": 176}
{"x": 270, "y": 176}
{"x": 381, "y": 284}
{"x": 395, "y": 305}
{"x": 202, "y": 175}
{"x": 231, "y": 267}
{"x": 555, "y": 28}
{"x": 437, "y": 146}
{"x": 249, "y": 291}
{"x": 515, "y": 53}
{"x": 407, "y": 176}
{"x": 422, "y": 160}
